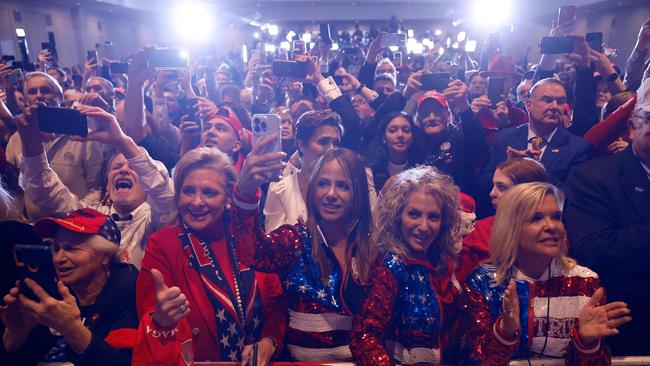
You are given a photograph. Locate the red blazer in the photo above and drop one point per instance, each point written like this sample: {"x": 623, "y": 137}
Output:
{"x": 164, "y": 252}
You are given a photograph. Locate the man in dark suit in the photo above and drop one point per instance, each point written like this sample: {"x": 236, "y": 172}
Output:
{"x": 543, "y": 138}
{"x": 608, "y": 221}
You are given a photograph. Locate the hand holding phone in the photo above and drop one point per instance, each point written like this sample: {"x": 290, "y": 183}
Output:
{"x": 168, "y": 59}
{"x": 294, "y": 69}
{"x": 393, "y": 39}
{"x": 495, "y": 90}
{"x": 438, "y": 81}
{"x": 557, "y": 45}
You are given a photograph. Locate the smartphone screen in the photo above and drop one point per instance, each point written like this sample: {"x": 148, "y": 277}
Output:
{"x": 168, "y": 59}
{"x": 64, "y": 121}
{"x": 294, "y": 69}
{"x": 119, "y": 68}
{"x": 325, "y": 33}
{"x": 495, "y": 90}
{"x": 91, "y": 55}
{"x": 393, "y": 39}
{"x": 566, "y": 14}
{"x": 595, "y": 41}
{"x": 46, "y": 46}
{"x": 35, "y": 262}
{"x": 264, "y": 125}
{"x": 438, "y": 81}
{"x": 557, "y": 45}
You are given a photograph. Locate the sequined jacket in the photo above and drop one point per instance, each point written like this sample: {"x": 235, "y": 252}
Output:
{"x": 320, "y": 315}
{"x": 549, "y": 311}
{"x": 402, "y": 319}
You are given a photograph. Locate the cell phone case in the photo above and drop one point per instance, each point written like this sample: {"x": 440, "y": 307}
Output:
{"x": 35, "y": 262}
{"x": 64, "y": 121}
{"x": 264, "y": 125}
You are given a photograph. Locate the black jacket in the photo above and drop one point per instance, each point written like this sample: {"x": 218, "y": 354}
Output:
{"x": 113, "y": 315}
{"x": 607, "y": 217}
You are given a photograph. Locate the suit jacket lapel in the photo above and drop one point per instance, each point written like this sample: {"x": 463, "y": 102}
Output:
{"x": 635, "y": 184}
{"x": 521, "y": 140}
{"x": 554, "y": 148}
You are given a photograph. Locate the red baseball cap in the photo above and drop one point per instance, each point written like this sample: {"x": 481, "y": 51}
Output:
{"x": 85, "y": 221}
{"x": 432, "y": 94}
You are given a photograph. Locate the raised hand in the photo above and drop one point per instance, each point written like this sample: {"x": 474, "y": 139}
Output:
{"x": 171, "y": 303}
{"x": 258, "y": 165}
{"x": 139, "y": 70}
{"x": 479, "y": 103}
{"x": 530, "y": 153}
{"x": 108, "y": 130}
{"x": 510, "y": 310}
{"x": 413, "y": 84}
{"x": 601, "y": 321}
{"x": 265, "y": 350}
{"x": 456, "y": 94}
{"x": 12, "y": 315}
{"x": 206, "y": 107}
{"x": 95, "y": 100}
{"x": 644, "y": 36}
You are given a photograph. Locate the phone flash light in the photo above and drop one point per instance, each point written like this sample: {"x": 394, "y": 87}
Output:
{"x": 410, "y": 33}
{"x": 270, "y": 48}
{"x": 442, "y": 50}
{"x": 393, "y": 48}
{"x": 285, "y": 45}
{"x": 335, "y": 46}
{"x": 20, "y": 32}
{"x": 461, "y": 36}
{"x": 438, "y": 32}
{"x": 183, "y": 54}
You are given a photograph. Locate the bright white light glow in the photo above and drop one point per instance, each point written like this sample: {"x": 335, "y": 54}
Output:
{"x": 269, "y": 48}
{"x": 492, "y": 12}
{"x": 311, "y": 45}
{"x": 183, "y": 54}
{"x": 448, "y": 42}
{"x": 335, "y": 46}
{"x": 306, "y": 37}
{"x": 455, "y": 45}
{"x": 461, "y": 36}
{"x": 393, "y": 48}
{"x": 193, "y": 22}
{"x": 455, "y": 23}
{"x": 441, "y": 51}
{"x": 273, "y": 30}
{"x": 290, "y": 36}
{"x": 438, "y": 32}
{"x": 410, "y": 33}
{"x": 284, "y": 45}
{"x": 244, "y": 53}
{"x": 470, "y": 46}
{"x": 20, "y": 32}
{"x": 256, "y": 35}
{"x": 418, "y": 48}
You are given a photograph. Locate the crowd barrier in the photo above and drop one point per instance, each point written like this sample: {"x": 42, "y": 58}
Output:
{"x": 616, "y": 361}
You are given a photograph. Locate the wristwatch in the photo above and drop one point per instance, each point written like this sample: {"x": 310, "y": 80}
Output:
{"x": 611, "y": 77}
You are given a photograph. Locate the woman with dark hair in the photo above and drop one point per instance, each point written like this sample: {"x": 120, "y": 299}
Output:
{"x": 395, "y": 148}
{"x": 404, "y": 319}
{"x": 316, "y": 133}
{"x": 532, "y": 300}
{"x": 195, "y": 299}
{"x": 324, "y": 263}
{"x": 508, "y": 174}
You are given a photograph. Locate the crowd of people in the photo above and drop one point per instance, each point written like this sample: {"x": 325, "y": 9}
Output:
{"x": 409, "y": 225}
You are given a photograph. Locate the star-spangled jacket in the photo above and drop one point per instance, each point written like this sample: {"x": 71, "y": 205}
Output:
{"x": 320, "y": 315}
{"x": 403, "y": 317}
{"x": 202, "y": 332}
{"x": 549, "y": 311}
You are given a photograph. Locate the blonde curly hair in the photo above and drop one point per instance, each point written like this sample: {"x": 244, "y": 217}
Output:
{"x": 387, "y": 233}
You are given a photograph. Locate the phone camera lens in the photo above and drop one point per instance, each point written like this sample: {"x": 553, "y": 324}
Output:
{"x": 257, "y": 128}
{"x": 264, "y": 125}
{"x": 257, "y": 121}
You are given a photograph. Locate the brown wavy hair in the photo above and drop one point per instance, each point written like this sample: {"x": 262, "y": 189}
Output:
{"x": 360, "y": 223}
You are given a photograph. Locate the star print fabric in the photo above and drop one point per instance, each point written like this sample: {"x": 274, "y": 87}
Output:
{"x": 319, "y": 317}
{"x": 400, "y": 320}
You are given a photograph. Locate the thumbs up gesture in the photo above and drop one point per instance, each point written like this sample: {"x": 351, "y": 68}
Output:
{"x": 171, "y": 304}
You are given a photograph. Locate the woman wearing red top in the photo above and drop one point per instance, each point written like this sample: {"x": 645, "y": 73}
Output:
{"x": 195, "y": 299}
{"x": 507, "y": 174}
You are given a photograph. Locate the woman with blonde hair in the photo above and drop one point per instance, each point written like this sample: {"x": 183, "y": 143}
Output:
{"x": 532, "y": 300}
{"x": 325, "y": 262}
{"x": 195, "y": 299}
{"x": 404, "y": 317}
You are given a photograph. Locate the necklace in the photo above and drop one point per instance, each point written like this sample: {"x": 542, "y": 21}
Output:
{"x": 234, "y": 262}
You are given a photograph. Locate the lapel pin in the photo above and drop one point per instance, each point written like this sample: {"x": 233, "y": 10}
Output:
{"x": 555, "y": 150}
{"x": 639, "y": 189}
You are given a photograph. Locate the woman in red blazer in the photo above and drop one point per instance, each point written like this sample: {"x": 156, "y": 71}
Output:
{"x": 196, "y": 301}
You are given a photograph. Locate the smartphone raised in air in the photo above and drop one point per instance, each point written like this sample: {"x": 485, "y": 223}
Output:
{"x": 64, "y": 121}
{"x": 35, "y": 262}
